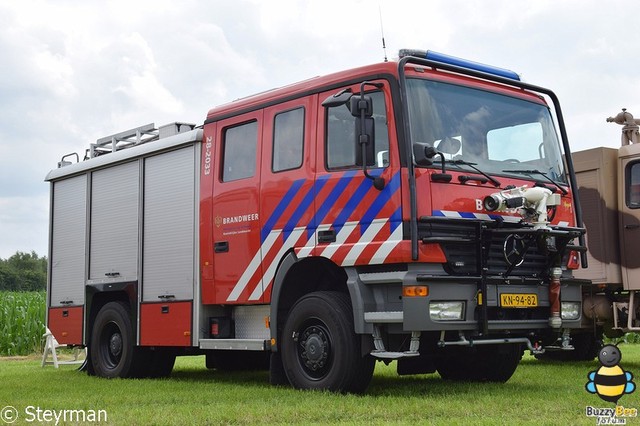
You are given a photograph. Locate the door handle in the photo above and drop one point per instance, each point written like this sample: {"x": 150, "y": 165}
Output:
{"x": 221, "y": 247}
{"x": 328, "y": 236}
{"x": 632, "y": 226}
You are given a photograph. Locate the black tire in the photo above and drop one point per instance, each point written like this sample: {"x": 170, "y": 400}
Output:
{"x": 160, "y": 363}
{"x": 489, "y": 363}
{"x": 586, "y": 348}
{"x": 277, "y": 376}
{"x": 320, "y": 349}
{"x": 112, "y": 350}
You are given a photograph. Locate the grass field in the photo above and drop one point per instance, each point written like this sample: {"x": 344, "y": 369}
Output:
{"x": 540, "y": 393}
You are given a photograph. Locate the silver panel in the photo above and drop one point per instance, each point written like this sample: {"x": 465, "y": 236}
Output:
{"x": 250, "y": 322}
{"x": 68, "y": 241}
{"x": 384, "y": 317}
{"x": 114, "y": 223}
{"x": 169, "y": 228}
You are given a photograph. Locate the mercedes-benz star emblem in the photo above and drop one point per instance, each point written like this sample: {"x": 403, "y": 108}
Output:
{"x": 513, "y": 249}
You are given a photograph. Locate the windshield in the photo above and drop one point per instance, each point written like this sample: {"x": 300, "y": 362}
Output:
{"x": 499, "y": 133}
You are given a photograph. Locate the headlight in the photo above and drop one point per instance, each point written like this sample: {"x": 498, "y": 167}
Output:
{"x": 570, "y": 310}
{"x": 446, "y": 311}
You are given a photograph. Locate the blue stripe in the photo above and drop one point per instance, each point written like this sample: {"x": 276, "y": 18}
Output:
{"x": 330, "y": 201}
{"x": 467, "y": 215}
{"x": 284, "y": 203}
{"x": 396, "y": 219}
{"x": 302, "y": 207}
{"x": 352, "y": 204}
{"x": 378, "y": 204}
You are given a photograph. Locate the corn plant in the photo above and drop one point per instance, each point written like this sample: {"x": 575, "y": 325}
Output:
{"x": 22, "y": 316}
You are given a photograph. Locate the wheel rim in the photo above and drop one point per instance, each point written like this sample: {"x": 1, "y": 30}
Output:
{"x": 111, "y": 346}
{"x": 314, "y": 349}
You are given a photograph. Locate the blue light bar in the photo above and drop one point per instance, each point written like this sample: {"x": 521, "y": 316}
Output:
{"x": 459, "y": 62}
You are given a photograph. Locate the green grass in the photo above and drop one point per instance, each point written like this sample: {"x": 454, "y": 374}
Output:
{"x": 540, "y": 393}
{"x": 21, "y": 322}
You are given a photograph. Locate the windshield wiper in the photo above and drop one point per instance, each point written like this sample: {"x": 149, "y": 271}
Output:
{"x": 543, "y": 174}
{"x": 493, "y": 180}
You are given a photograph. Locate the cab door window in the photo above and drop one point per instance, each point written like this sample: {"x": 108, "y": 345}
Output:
{"x": 288, "y": 140}
{"x": 341, "y": 131}
{"x": 239, "y": 151}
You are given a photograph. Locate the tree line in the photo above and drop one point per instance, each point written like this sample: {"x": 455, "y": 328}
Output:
{"x": 23, "y": 272}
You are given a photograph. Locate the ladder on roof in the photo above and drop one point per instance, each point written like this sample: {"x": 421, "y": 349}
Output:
{"x": 136, "y": 136}
{"x": 122, "y": 140}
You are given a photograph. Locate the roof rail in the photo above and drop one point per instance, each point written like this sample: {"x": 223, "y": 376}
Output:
{"x": 136, "y": 136}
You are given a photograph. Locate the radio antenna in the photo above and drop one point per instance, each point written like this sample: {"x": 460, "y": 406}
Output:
{"x": 384, "y": 47}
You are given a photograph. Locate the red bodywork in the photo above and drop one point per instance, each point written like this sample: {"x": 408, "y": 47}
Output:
{"x": 288, "y": 210}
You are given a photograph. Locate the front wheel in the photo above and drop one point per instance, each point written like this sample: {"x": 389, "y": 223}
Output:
{"x": 320, "y": 349}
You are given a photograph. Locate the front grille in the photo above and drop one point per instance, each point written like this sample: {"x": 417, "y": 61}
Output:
{"x": 474, "y": 247}
{"x": 463, "y": 259}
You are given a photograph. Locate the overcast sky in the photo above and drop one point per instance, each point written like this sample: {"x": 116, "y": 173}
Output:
{"x": 74, "y": 71}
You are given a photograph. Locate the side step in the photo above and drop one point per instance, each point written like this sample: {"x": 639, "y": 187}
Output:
{"x": 235, "y": 344}
{"x": 381, "y": 352}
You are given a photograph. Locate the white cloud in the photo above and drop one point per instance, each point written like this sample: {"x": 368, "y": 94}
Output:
{"x": 76, "y": 71}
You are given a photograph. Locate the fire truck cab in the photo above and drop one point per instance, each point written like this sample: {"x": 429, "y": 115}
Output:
{"x": 418, "y": 211}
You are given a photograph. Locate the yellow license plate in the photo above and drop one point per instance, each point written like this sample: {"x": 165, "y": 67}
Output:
{"x": 518, "y": 300}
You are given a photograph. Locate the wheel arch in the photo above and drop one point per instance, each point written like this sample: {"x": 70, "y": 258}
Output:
{"x": 98, "y": 295}
{"x": 296, "y": 277}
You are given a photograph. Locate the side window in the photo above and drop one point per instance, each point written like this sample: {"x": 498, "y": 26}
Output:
{"x": 239, "y": 151}
{"x": 340, "y": 134}
{"x": 288, "y": 140}
{"x": 633, "y": 185}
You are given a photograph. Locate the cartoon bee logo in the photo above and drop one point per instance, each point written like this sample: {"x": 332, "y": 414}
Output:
{"x": 610, "y": 381}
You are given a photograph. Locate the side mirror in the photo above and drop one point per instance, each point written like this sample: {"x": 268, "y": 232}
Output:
{"x": 367, "y": 139}
{"x": 423, "y": 153}
{"x": 337, "y": 99}
{"x": 360, "y": 103}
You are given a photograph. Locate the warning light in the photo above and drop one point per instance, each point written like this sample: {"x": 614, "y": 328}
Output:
{"x": 415, "y": 291}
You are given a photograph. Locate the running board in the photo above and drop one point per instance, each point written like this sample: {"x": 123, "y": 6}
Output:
{"x": 235, "y": 344}
{"x": 381, "y": 352}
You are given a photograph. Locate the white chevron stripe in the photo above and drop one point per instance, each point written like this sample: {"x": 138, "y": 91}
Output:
{"x": 253, "y": 266}
{"x": 483, "y": 216}
{"x": 271, "y": 270}
{"x": 342, "y": 236}
{"x": 385, "y": 249}
{"x": 364, "y": 241}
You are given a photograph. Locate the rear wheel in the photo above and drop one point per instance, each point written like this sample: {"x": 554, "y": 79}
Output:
{"x": 113, "y": 352}
{"x": 488, "y": 363}
{"x": 160, "y": 363}
{"x": 586, "y": 348}
{"x": 320, "y": 349}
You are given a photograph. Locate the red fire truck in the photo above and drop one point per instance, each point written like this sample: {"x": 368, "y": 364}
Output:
{"x": 418, "y": 211}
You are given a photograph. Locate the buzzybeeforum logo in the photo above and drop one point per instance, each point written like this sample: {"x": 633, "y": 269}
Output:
{"x": 610, "y": 382}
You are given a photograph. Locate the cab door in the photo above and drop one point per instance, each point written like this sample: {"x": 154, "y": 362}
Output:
{"x": 629, "y": 200}
{"x": 356, "y": 223}
{"x": 287, "y": 185}
{"x": 235, "y": 208}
